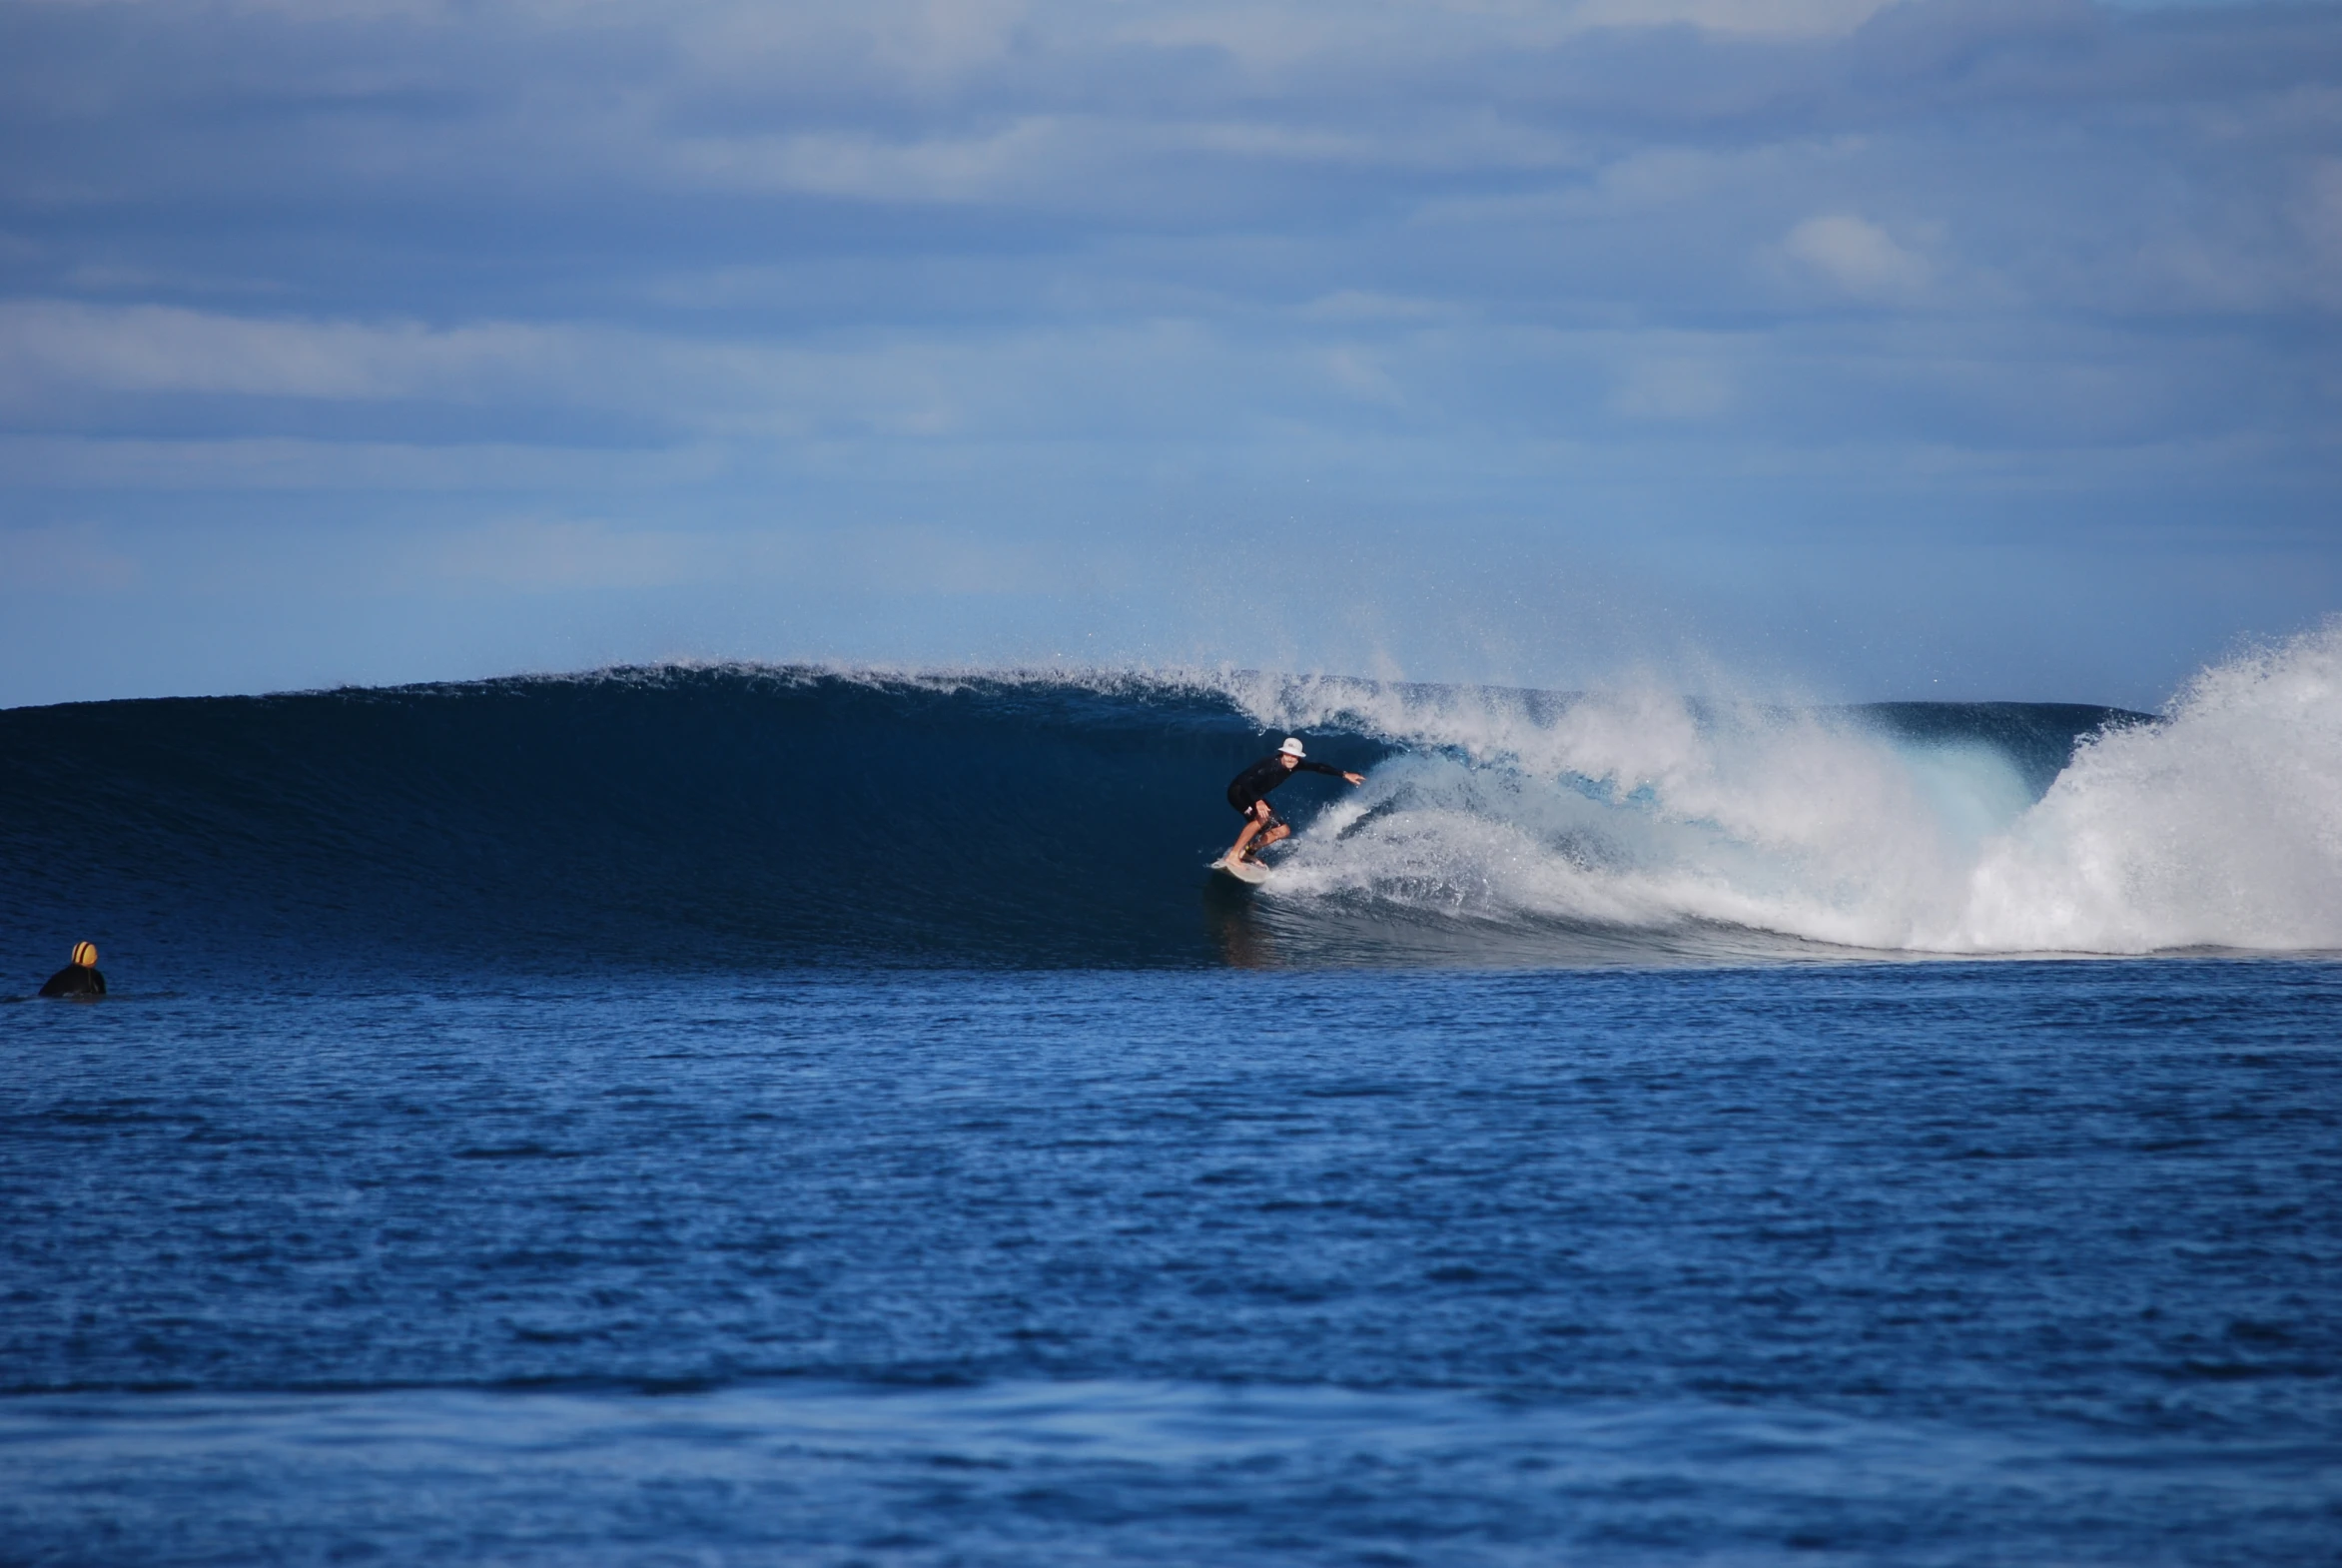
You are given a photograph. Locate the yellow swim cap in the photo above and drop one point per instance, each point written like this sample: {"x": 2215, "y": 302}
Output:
{"x": 86, "y": 954}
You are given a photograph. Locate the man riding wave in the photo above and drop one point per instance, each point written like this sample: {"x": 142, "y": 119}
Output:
{"x": 1248, "y": 793}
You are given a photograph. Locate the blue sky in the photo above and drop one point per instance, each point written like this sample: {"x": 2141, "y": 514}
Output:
{"x": 1921, "y": 348}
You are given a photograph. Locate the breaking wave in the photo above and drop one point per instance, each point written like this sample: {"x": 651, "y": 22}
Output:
{"x": 767, "y": 816}
{"x": 1898, "y": 827}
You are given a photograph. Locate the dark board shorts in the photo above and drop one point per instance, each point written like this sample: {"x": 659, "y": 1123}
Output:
{"x": 1244, "y": 807}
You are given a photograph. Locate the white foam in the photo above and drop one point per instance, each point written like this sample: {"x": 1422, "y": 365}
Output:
{"x": 2220, "y": 826}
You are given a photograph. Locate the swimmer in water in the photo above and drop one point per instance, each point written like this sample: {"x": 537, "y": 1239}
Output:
{"x": 79, "y": 978}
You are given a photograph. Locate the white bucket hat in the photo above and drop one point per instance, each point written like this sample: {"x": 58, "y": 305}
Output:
{"x": 1291, "y": 747}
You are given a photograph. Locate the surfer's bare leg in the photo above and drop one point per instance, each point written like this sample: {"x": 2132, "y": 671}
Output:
{"x": 1263, "y": 830}
{"x": 1260, "y": 814}
{"x": 1275, "y": 835}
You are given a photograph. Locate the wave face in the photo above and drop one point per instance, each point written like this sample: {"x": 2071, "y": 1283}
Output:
{"x": 781, "y": 815}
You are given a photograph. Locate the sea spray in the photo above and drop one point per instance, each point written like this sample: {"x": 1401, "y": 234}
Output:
{"x": 1883, "y": 828}
{"x": 2219, "y": 827}
{"x": 1645, "y": 809}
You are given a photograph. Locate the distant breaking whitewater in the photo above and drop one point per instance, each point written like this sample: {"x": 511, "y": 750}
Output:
{"x": 788, "y": 816}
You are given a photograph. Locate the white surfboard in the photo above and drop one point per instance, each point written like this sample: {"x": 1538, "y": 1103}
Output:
{"x": 1247, "y": 871}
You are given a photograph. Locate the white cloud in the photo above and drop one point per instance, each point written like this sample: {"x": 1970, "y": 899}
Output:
{"x": 1365, "y": 305}
{"x": 1775, "y": 18}
{"x": 160, "y": 349}
{"x": 50, "y": 350}
{"x": 1029, "y": 381}
{"x": 250, "y": 464}
{"x": 1270, "y": 38}
{"x": 872, "y": 168}
{"x": 1358, "y": 372}
{"x": 924, "y": 41}
{"x": 1858, "y": 256}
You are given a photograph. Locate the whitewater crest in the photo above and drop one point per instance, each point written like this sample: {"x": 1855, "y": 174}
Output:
{"x": 2217, "y": 826}
{"x": 2221, "y": 826}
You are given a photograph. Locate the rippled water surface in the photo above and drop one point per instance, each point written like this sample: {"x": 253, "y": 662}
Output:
{"x": 1998, "y": 1263}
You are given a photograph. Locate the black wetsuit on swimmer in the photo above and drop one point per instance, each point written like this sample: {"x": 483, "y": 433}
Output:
{"x": 75, "y": 980}
{"x": 1254, "y": 783}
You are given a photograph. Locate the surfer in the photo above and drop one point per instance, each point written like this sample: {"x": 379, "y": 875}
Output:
{"x": 79, "y": 978}
{"x": 1248, "y": 793}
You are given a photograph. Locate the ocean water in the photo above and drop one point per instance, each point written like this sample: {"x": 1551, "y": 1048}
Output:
{"x": 758, "y": 1116}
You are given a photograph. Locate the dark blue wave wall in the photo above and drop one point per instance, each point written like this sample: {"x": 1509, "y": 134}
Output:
{"x": 655, "y": 818}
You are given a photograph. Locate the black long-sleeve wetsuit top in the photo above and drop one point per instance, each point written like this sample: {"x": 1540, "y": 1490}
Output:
{"x": 75, "y": 980}
{"x": 1257, "y": 781}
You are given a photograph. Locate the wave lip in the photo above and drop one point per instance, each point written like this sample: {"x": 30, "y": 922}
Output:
{"x": 760, "y": 816}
